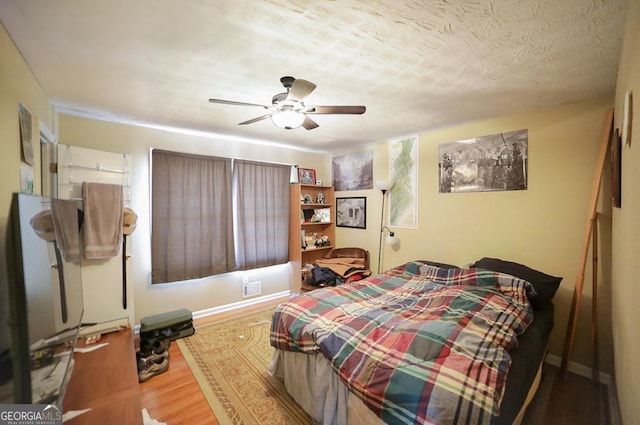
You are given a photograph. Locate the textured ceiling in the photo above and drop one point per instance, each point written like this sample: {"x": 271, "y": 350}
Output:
{"x": 416, "y": 65}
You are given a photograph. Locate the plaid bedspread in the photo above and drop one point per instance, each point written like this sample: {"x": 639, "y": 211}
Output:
{"x": 418, "y": 344}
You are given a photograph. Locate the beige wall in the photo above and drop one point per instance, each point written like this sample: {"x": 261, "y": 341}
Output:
{"x": 17, "y": 85}
{"x": 196, "y": 295}
{"x": 542, "y": 227}
{"x": 626, "y": 234}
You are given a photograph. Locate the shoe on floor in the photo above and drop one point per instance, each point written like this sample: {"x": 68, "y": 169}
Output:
{"x": 144, "y": 362}
{"x": 154, "y": 368}
{"x": 159, "y": 346}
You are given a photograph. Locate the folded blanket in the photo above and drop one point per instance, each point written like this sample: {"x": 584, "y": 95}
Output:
{"x": 102, "y": 220}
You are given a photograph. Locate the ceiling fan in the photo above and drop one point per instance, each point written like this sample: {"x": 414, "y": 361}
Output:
{"x": 288, "y": 111}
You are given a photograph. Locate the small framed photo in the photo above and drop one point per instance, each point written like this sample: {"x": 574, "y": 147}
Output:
{"x": 616, "y": 168}
{"x": 323, "y": 215}
{"x": 351, "y": 212}
{"x": 627, "y": 116}
{"x": 307, "y": 176}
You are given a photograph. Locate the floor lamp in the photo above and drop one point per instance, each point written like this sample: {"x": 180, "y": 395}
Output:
{"x": 384, "y": 186}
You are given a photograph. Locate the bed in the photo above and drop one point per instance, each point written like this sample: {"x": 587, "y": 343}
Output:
{"x": 421, "y": 343}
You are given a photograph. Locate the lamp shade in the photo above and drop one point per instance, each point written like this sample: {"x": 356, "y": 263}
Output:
{"x": 391, "y": 239}
{"x": 287, "y": 119}
{"x": 383, "y": 185}
{"x": 293, "y": 177}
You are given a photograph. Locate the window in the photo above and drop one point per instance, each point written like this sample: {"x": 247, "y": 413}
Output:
{"x": 262, "y": 213}
{"x": 214, "y": 215}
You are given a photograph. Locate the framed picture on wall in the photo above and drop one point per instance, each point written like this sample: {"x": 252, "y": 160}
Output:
{"x": 307, "y": 176}
{"x": 351, "y": 212}
{"x": 627, "y": 116}
{"x": 353, "y": 171}
{"x": 616, "y": 169}
{"x": 494, "y": 162}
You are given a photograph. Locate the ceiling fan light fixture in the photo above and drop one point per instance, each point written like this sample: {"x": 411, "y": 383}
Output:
{"x": 288, "y": 111}
{"x": 287, "y": 119}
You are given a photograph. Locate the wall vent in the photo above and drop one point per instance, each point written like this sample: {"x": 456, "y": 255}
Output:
{"x": 252, "y": 288}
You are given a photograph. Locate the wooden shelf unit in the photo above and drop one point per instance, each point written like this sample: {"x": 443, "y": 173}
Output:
{"x": 297, "y": 255}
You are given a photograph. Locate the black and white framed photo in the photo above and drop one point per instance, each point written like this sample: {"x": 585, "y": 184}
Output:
{"x": 351, "y": 212}
{"x": 486, "y": 163}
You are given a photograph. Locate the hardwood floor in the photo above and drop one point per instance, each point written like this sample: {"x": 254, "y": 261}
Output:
{"x": 577, "y": 400}
{"x": 175, "y": 398}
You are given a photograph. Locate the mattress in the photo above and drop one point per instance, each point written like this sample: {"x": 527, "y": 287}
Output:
{"x": 525, "y": 362}
{"x": 311, "y": 381}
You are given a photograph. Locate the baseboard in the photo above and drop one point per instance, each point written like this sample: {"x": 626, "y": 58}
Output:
{"x": 240, "y": 304}
{"x": 233, "y": 306}
{"x": 603, "y": 378}
{"x": 578, "y": 369}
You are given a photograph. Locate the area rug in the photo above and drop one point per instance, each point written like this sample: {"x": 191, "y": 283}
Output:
{"x": 229, "y": 360}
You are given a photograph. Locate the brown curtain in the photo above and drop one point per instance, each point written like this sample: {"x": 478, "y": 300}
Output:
{"x": 262, "y": 213}
{"x": 192, "y": 216}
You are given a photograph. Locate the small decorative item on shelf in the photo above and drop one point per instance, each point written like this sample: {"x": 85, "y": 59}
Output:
{"x": 307, "y": 199}
{"x": 320, "y": 199}
{"x": 308, "y": 216}
{"x": 322, "y": 241}
{"x": 311, "y": 240}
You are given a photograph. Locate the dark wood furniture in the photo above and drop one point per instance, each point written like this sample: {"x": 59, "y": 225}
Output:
{"x": 106, "y": 381}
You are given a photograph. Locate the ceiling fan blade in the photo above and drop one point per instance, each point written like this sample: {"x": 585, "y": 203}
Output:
{"x": 251, "y": 121}
{"x": 300, "y": 89}
{"x": 335, "y": 109}
{"x": 233, "y": 102}
{"x": 308, "y": 123}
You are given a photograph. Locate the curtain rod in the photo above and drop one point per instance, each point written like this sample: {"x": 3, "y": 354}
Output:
{"x": 223, "y": 157}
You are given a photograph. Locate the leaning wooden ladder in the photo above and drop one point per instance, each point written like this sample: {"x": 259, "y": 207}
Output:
{"x": 591, "y": 232}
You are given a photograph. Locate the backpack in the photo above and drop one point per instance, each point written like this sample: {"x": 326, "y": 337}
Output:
{"x": 323, "y": 276}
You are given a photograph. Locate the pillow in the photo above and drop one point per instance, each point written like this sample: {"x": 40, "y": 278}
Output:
{"x": 441, "y": 265}
{"x": 544, "y": 284}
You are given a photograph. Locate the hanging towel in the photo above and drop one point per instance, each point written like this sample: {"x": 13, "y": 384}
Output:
{"x": 102, "y": 220}
{"x": 65, "y": 225}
